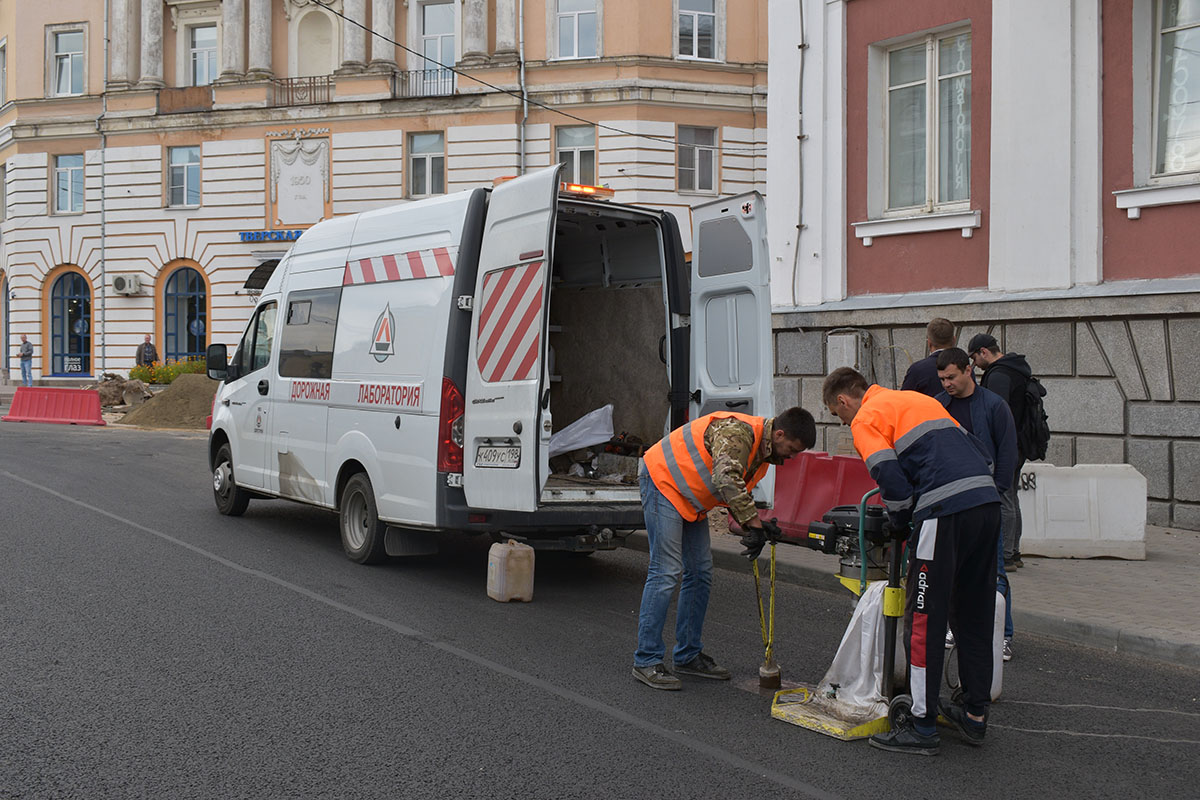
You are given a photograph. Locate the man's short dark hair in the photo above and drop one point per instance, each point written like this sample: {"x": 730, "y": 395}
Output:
{"x": 797, "y": 425}
{"x": 983, "y": 341}
{"x": 940, "y": 332}
{"x": 953, "y": 355}
{"x": 843, "y": 380}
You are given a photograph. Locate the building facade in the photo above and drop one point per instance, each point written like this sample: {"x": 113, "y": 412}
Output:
{"x": 1027, "y": 169}
{"x": 159, "y": 156}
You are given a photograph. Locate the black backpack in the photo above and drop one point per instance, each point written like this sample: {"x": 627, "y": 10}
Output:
{"x": 1033, "y": 429}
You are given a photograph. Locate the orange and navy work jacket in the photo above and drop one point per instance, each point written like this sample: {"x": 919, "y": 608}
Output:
{"x": 681, "y": 466}
{"x": 925, "y": 463}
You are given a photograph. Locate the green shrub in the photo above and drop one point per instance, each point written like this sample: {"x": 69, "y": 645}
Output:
{"x": 164, "y": 373}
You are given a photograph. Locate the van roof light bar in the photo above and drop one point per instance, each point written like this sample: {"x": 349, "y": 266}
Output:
{"x": 572, "y": 189}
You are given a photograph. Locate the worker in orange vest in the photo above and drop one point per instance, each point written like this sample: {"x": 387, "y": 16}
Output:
{"x": 713, "y": 461}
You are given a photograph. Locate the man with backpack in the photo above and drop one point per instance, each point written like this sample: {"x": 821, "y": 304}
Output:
{"x": 1009, "y": 375}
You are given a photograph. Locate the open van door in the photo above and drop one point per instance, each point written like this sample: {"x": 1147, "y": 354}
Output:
{"x": 505, "y": 458}
{"x": 732, "y": 355}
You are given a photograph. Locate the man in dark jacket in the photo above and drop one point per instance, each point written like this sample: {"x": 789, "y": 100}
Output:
{"x": 984, "y": 414}
{"x": 146, "y": 353}
{"x": 922, "y": 375}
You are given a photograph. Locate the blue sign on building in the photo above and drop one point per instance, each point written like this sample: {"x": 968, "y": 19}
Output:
{"x": 269, "y": 236}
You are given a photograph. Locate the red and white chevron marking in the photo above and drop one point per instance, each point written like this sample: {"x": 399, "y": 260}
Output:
{"x": 400, "y": 267}
{"x": 510, "y": 323}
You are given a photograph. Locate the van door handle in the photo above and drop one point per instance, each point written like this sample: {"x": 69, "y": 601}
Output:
{"x": 262, "y": 387}
{"x": 225, "y": 402}
{"x": 738, "y": 404}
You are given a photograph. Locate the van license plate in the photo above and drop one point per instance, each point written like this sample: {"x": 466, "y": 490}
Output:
{"x": 501, "y": 457}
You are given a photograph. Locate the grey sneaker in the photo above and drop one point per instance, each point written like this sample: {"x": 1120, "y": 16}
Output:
{"x": 949, "y": 638}
{"x": 956, "y": 715}
{"x": 907, "y": 739}
{"x": 702, "y": 666}
{"x": 656, "y": 677}
{"x": 1008, "y": 649}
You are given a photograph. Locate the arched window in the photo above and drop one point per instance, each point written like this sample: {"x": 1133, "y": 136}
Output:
{"x": 185, "y": 317}
{"x": 71, "y": 325}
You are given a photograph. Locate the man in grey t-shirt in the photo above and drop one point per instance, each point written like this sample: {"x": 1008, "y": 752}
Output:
{"x": 26, "y": 361}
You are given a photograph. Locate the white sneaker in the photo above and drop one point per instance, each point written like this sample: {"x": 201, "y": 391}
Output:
{"x": 1008, "y": 649}
{"x": 949, "y": 638}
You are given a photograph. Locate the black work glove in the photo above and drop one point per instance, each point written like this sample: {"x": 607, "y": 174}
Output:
{"x": 771, "y": 529}
{"x": 754, "y": 540}
{"x": 896, "y": 532}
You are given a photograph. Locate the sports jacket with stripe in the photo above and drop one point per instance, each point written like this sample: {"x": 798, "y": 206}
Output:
{"x": 926, "y": 465}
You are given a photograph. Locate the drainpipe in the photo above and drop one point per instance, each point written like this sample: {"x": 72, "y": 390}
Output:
{"x": 103, "y": 200}
{"x": 524, "y": 99}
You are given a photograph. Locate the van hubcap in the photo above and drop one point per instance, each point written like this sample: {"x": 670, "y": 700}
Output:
{"x": 221, "y": 478}
{"x": 356, "y": 521}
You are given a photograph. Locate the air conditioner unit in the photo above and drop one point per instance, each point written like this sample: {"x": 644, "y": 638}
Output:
{"x": 127, "y": 284}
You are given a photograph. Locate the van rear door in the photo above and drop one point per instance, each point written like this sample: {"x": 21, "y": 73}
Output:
{"x": 505, "y": 461}
{"x": 731, "y": 312}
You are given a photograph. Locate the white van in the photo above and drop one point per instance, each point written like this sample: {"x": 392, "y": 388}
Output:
{"x": 406, "y": 367}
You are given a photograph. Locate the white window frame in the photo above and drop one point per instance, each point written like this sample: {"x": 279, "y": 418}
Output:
{"x": 715, "y": 148}
{"x": 563, "y": 154}
{"x": 58, "y": 172}
{"x": 416, "y": 38}
{"x": 185, "y": 15}
{"x": 186, "y": 184}
{"x": 718, "y": 33}
{"x": 1159, "y": 11}
{"x": 3, "y": 70}
{"x": 427, "y": 158}
{"x": 552, "y": 21}
{"x": 52, "y": 58}
{"x": 212, "y": 57}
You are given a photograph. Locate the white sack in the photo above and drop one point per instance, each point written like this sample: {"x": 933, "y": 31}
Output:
{"x": 857, "y": 669}
{"x": 595, "y": 427}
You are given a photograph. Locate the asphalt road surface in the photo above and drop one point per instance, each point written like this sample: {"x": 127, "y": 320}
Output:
{"x": 153, "y": 648}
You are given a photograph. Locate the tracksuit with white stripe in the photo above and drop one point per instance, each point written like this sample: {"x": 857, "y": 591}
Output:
{"x": 934, "y": 474}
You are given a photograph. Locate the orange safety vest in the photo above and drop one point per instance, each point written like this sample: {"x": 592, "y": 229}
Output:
{"x": 681, "y": 466}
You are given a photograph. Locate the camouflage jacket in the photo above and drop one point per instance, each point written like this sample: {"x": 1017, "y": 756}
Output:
{"x": 731, "y": 441}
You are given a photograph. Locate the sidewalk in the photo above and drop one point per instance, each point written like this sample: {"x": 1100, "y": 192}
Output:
{"x": 1144, "y": 608}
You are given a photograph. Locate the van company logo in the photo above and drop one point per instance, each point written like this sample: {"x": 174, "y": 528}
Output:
{"x": 382, "y": 344}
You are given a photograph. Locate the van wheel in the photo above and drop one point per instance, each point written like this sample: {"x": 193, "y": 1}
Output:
{"x": 231, "y": 498}
{"x": 358, "y": 519}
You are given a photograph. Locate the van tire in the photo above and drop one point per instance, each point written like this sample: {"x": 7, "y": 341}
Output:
{"x": 358, "y": 521}
{"x": 231, "y": 499}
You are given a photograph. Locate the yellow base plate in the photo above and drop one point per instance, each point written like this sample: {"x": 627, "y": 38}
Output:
{"x": 806, "y": 707}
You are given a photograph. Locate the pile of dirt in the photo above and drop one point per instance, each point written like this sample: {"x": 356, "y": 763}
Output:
{"x": 117, "y": 391}
{"x": 186, "y": 403}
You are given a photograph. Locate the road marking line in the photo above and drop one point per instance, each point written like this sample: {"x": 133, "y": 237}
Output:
{"x": 1102, "y": 708}
{"x": 1096, "y": 735}
{"x": 615, "y": 713}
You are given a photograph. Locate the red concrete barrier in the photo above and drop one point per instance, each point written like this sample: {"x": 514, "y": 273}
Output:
{"x": 809, "y": 484}
{"x": 59, "y": 406}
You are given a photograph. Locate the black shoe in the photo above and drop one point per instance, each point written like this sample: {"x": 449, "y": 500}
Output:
{"x": 656, "y": 677}
{"x": 956, "y": 715}
{"x": 908, "y": 739}
{"x": 702, "y": 666}
{"x": 1017, "y": 562}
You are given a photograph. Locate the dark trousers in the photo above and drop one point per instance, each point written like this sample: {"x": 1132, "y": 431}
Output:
{"x": 952, "y": 573}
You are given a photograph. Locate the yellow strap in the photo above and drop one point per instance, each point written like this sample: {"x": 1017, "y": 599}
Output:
{"x": 768, "y": 633}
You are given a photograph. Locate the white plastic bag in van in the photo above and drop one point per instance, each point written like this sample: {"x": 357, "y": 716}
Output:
{"x": 595, "y": 427}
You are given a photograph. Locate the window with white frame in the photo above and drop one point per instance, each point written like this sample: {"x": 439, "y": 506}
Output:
{"x": 928, "y": 155}
{"x": 68, "y": 184}
{"x": 183, "y": 176}
{"x": 67, "y": 62}
{"x": 3, "y": 192}
{"x": 202, "y": 54}
{"x": 577, "y": 28}
{"x": 426, "y": 164}
{"x": 697, "y": 159}
{"x": 576, "y": 146}
{"x": 437, "y": 36}
{"x": 698, "y": 28}
{"x": 1177, "y": 99}
{"x": 4, "y": 73}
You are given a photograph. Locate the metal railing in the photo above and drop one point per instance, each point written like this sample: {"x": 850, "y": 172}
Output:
{"x": 302, "y": 91}
{"x": 423, "y": 83}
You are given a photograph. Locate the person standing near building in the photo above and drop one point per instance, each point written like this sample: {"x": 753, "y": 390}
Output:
{"x": 26, "y": 361}
{"x": 1006, "y": 374}
{"x": 934, "y": 476}
{"x": 984, "y": 414}
{"x": 146, "y": 353}
{"x": 922, "y": 375}
{"x": 714, "y": 461}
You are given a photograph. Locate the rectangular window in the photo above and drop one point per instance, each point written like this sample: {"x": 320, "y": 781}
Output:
{"x": 68, "y": 184}
{"x": 3, "y": 74}
{"x": 576, "y": 28}
{"x": 697, "y": 159}
{"x": 306, "y": 349}
{"x": 576, "y": 147}
{"x": 183, "y": 176}
{"x": 697, "y": 28}
{"x": 437, "y": 45}
{"x": 426, "y": 164}
{"x": 202, "y": 54}
{"x": 68, "y": 62}
{"x": 3, "y": 193}
{"x": 1177, "y": 101}
{"x": 929, "y": 123}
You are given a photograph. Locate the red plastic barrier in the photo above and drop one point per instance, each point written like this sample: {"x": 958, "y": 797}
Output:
{"x": 809, "y": 484}
{"x": 59, "y": 406}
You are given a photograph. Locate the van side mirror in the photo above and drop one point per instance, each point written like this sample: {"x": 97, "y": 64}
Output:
{"x": 217, "y": 362}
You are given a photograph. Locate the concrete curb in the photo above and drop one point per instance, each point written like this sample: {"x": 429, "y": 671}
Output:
{"x": 1104, "y": 637}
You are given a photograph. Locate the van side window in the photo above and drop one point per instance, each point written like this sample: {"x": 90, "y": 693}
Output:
{"x": 264, "y": 331}
{"x": 306, "y": 350}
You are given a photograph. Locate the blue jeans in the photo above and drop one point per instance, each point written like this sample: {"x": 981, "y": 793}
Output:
{"x": 27, "y": 373}
{"x": 1002, "y": 586}
{"x": 678, "y": 550}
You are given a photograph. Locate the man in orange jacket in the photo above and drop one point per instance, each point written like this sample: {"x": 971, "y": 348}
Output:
{"x": 936, "y": 478}
{"x": 713, "y": 461}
